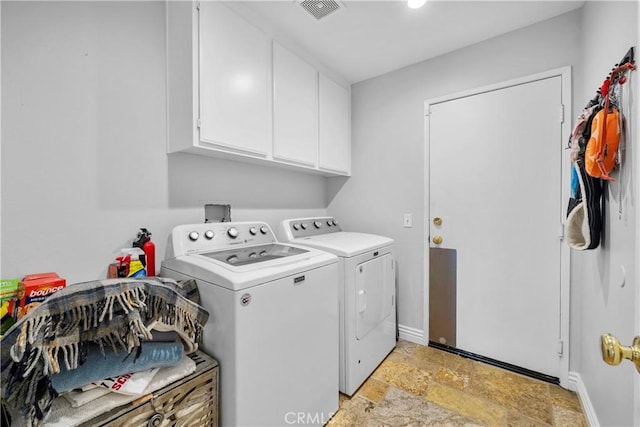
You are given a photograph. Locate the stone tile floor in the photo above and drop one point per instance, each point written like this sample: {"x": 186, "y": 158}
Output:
{"x": 422, "y": 386}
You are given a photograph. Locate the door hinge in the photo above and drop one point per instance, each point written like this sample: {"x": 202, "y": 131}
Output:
{"x": 561, "y": 231}
{"x": 199, "y": 123}
{"x": 560, "y": 347}
{"x": 561, "y": 113}
{"x": 198, "y": 5}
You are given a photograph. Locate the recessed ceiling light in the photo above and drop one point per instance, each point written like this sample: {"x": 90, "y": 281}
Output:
{"x": 416, "y": 4}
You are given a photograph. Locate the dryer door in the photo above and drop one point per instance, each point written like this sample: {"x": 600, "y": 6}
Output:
{"x": 374, "y": 291}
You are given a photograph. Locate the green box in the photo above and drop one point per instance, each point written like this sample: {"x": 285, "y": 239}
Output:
{"x": 8, "y": 295}
{"x": 8, "y": 287}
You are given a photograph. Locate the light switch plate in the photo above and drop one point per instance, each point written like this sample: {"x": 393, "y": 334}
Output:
{"x": 407, "y": 221}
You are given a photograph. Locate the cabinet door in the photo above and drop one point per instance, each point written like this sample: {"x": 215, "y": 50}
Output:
{"x": 295, "y": 108}
{"x": 334, "y": 149}
{"x": 235, "y": 81}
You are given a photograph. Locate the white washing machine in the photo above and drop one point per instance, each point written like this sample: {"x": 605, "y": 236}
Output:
{"x": 273, "y": 320}
{"x": 367, "y": 292}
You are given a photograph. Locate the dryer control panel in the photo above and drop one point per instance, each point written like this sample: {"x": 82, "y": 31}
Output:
{"x": 211, "y": 236}
{"x": 305, "y": 227}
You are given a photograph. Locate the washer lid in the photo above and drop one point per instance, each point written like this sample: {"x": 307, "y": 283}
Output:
{"x": 345, "y": 243}
{"x": 254, "y": 254}
{"x": 215, "y": 267}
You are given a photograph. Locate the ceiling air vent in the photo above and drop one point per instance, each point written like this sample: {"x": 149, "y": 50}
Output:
{"x": 320, "y": 8}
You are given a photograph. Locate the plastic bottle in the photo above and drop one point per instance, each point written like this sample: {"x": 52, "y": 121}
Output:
{"x": 132, "y": 263}
{"x": 149, "y": 248}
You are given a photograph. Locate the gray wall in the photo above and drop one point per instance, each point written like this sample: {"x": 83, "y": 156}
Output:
{"x": 605, "y": 305}
{"x": 84, "y": 161}
{"x": 388, "y": 137}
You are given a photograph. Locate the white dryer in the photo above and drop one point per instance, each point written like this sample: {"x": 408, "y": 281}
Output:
{"x": 273, "y": 320}
{"x": 367, "y": 292}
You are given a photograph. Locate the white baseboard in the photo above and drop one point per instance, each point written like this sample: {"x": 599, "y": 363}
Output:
{"x": 575, "y": 384}
{"x": 412, "y": 334}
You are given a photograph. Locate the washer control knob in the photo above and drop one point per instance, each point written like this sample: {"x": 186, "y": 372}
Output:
{"x": 253, "y": 231}
{"x": 333, "y": 221}
{"x": 232, "y": 232}
{"x": 264, "y": 229}
{"x": 304, "y": 226}
{"x": 317, "y": 224}
{"x": 193, "y": 236}
{"x": 296, "y": 226}
{"x": 209, "y": 234}
{"x": 329, "y": 223}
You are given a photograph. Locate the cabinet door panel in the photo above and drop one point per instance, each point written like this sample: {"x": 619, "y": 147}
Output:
{"x": 334, "y": 150}
{"x": 295, "y": 108}
{"x": 235, "y": 64}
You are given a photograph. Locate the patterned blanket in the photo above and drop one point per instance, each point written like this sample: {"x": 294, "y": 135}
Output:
{"x": 117, "y": 313}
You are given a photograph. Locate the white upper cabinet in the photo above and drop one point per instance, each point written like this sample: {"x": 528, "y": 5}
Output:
{"x": 235, "y": 92}
{"x": 235, "y": 81}
{"x": 335, "y": 141}
{"x": 295, "y": 108}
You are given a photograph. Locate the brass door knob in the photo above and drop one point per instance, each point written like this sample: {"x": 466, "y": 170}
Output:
{"x": 437, "y": 240}
{"x": 437, "y": 221}
{"x": 613, "y": 353}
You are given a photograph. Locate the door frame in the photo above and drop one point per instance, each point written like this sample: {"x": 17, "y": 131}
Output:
{"x": 565, "y": 253}
{"x": 636, "y": 122}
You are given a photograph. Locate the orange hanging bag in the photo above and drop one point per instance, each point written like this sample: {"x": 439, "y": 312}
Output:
{"x": 602, "y": 148}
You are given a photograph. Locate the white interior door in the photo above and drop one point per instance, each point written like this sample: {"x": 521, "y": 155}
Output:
{"x": 495, "y": 174}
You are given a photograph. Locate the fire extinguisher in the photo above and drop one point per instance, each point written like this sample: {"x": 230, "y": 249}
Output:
{"x": 149, "y": 248}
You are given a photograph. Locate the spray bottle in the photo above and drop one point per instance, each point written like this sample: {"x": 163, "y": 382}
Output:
{"x": 149, "y": 248}
{"x": 131, "y": 263}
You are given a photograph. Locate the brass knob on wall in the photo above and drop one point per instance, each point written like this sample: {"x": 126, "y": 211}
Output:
{"x": 437, "y": 221}
{"x": 437, "y": 240}
{"x": 613, "y": 353}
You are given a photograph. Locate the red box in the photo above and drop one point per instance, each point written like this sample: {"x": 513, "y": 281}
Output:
{"x": 39, "y": 276}
{"x": 35, "y": 288}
